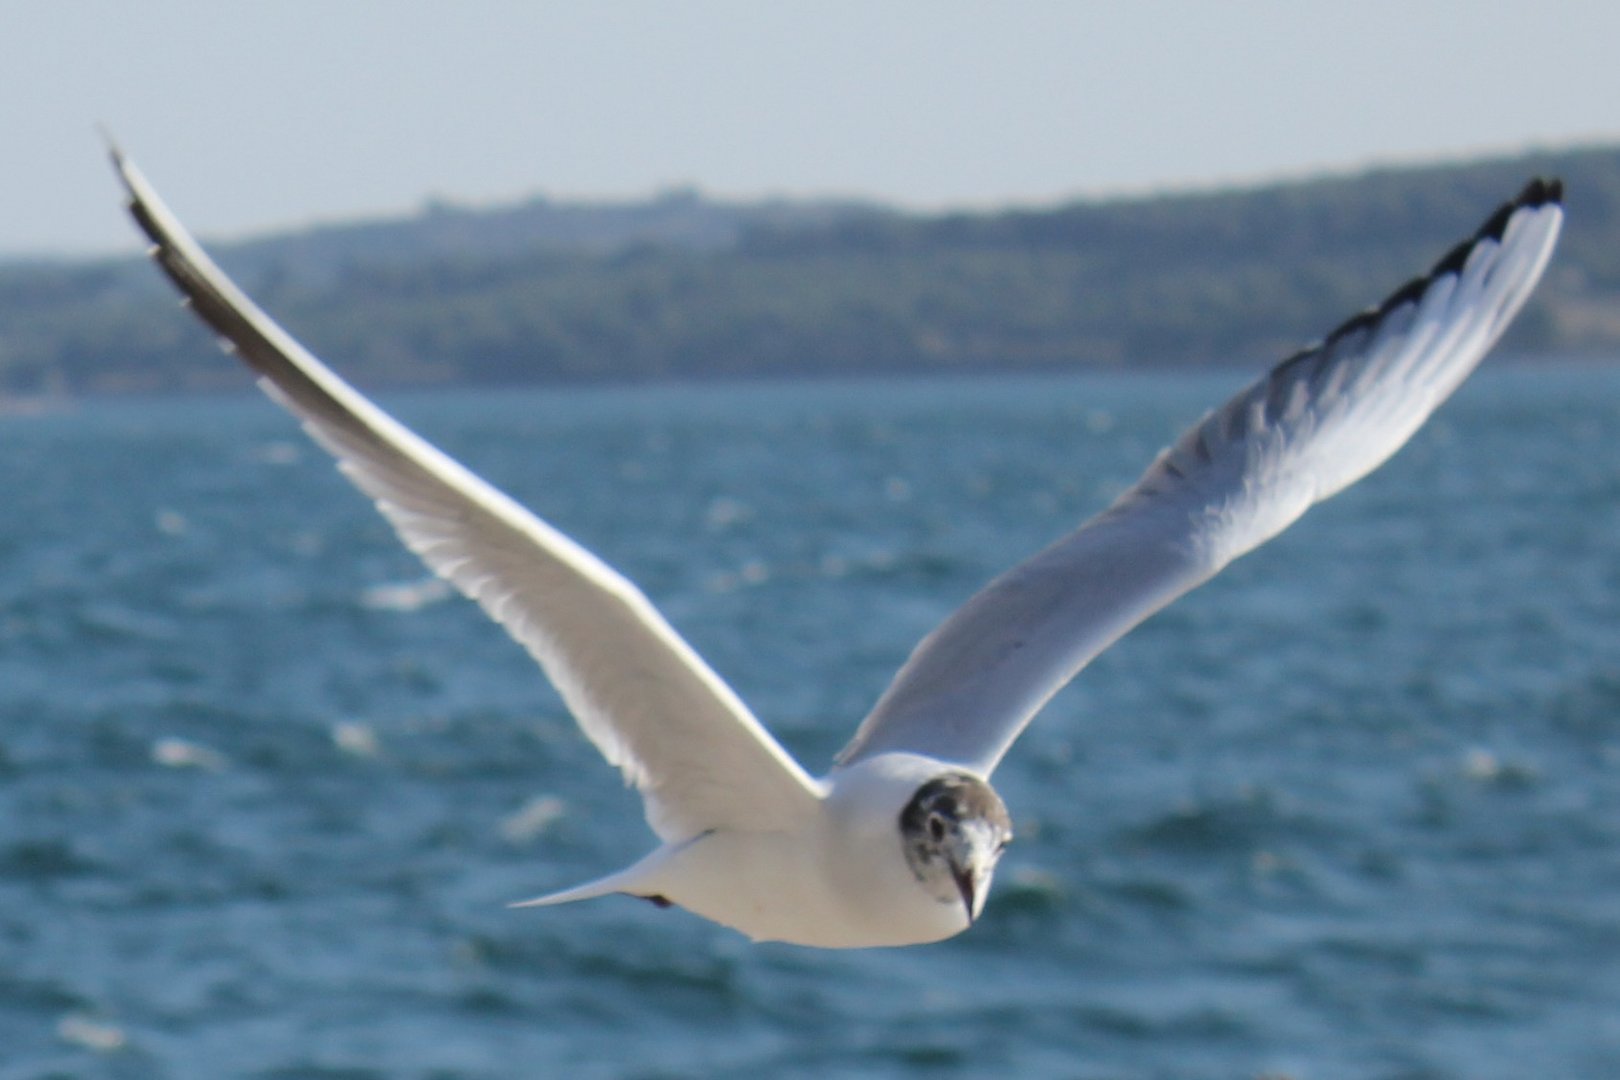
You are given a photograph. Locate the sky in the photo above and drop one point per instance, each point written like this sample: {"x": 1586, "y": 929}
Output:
{"x": 257, "y": 117}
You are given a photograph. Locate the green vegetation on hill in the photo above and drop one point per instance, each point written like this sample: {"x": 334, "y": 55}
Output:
{"x": 683, "y": 287}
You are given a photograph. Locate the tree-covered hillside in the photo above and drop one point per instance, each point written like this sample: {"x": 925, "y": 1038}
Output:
{"x": 682, "y": 287}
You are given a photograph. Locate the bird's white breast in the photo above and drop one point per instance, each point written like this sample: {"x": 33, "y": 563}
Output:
{"x": 840, "y": 881}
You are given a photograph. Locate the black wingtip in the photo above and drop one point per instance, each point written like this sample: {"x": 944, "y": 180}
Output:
{"x": 1540, "y": 191}
{"x": 120, "y": 163}
{"x": 115, "y": 153}
{"x": 1452, "y": 261}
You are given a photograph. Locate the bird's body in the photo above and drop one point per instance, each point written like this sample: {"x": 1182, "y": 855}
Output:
{"x": 896, "y": 845}
{"x": 835, "y": 879}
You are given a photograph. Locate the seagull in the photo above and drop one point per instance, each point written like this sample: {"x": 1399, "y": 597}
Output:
{"x": 898, "y": 842}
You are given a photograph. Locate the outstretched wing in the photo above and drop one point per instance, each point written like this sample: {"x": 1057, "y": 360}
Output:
{"x": 1313, "y": 425}
{"x": 640, "y": 693}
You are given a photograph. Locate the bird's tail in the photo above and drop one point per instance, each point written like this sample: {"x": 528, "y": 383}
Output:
{"x": 637, "y": 879}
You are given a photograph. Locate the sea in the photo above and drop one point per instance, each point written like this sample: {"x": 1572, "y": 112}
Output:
{"x": 1351, "y": 810}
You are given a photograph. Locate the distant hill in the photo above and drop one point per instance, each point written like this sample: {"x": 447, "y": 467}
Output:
{"x": 683, "y": 286}
{"x": 678, "y": 218}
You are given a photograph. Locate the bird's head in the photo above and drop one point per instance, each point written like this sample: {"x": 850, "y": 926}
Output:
{"x": 954, "y": 830}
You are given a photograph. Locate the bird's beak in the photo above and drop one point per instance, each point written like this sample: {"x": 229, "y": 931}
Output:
{"x": 965, "y": 886}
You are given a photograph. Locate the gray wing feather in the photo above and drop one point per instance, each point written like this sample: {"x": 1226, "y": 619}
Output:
{"x": 640, "y": 693}
{"x": 1313, "y": 425}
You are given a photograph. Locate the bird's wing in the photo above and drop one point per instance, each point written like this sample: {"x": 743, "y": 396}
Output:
{"x": 640, "y": 693}
{"x": 1313, "y": 425}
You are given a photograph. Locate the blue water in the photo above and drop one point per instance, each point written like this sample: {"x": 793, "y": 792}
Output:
{"x": 1352, "y": 810}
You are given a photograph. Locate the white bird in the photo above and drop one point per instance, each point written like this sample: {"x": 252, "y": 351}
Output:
{"x": 896, "y": 845}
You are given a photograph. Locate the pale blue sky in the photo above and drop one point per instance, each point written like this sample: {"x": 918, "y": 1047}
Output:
{"x": 265, "y": 115}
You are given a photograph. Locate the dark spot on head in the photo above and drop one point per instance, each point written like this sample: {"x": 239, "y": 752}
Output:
{"x": 950, "y": 798}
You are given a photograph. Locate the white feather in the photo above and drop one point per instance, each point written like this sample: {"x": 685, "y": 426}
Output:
{"x": 1315, "y": 424}
{"x": 648, "y": 702}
